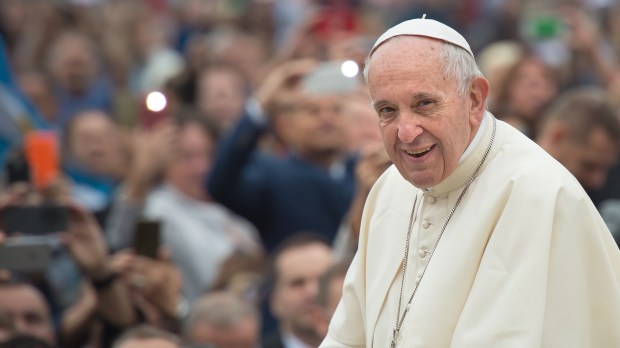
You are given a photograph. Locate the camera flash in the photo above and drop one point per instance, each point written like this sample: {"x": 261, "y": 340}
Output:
{"x": 155, "y": 101}
{"x": 349, "y": 68}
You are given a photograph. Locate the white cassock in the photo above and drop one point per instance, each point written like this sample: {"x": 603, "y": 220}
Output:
{"x": 525, "y": 261}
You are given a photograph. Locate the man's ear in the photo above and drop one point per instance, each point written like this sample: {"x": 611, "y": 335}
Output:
{"x": 478, "y": 94}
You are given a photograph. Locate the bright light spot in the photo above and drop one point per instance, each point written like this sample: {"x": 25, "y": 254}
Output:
{"x": 155, "y": 101}
{"x": 349, "y": 68}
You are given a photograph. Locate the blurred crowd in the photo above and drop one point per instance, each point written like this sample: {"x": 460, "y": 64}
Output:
{"x": 228, "y": 127}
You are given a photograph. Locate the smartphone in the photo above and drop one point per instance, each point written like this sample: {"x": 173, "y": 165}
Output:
{"x": 36, "y": 220}
{"x": 25, "y": 255}
{"x": 152, "y": 110}
{"x": 147, "y": 238}
{"x": 42, "y": 154}
{"x": 329, "y": 77}
{"x": 16, "y": 169}
{"x": 541, "y": 21}
{"x": 544, "y": 26}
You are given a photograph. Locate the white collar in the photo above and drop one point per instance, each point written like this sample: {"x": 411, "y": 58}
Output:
{"x": 291, "y": 341}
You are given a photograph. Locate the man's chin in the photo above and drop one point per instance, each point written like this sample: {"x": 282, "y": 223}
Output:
{"x": 303, "y": 325}
{"x": 420, "y": 179}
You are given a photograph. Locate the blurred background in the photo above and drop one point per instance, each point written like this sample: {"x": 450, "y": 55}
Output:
{"x": 194, "y": 171}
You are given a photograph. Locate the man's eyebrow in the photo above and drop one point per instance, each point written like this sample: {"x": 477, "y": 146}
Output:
{"x": 423, "y": 95}
{"x": 414, "y": 97}
{"x": 378, "y": 103}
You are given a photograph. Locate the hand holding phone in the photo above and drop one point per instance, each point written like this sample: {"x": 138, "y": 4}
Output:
{"x": 85, "y": 242}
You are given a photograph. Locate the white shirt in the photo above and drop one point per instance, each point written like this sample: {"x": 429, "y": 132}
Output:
{"x": 200, "y": 235}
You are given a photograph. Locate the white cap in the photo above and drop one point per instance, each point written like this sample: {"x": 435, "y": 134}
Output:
{"x": 424, "y": 27}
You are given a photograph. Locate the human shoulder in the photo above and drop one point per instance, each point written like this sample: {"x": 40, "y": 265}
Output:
{"x": 524, "y": 165}
{"x": 162, "y": 201}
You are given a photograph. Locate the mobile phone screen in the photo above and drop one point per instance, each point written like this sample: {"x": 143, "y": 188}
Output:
{"x": 43, "y": 219}
{"x": 147, "y": 235}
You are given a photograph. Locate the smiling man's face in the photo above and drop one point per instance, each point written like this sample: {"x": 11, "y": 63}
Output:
{"x": 426, "y": 124}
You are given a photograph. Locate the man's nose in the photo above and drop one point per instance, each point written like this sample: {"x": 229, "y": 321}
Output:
{"x": 408, "y": 129}
{"x": 21, "y": 325}
{"x": 328, "y": 114}
{"x": 312, "y": 288}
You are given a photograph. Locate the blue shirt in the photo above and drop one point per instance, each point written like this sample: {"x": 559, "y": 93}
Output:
{"x": 280, "y": 196}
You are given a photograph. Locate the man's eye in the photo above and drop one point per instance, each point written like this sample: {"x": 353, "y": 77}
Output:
{"x": 424, "y": 103}
{"x": 385, "y": 111}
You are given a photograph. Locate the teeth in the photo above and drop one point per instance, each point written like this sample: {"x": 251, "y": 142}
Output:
{"x": 419, "y": 152}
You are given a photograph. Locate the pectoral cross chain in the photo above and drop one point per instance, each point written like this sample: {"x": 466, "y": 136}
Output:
{"x": 396, "y": 331}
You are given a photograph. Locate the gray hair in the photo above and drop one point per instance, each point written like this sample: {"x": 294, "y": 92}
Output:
{"x": 220, "y": 308}
{"x": 144, "y": 332}
{"x": 457, "y": 64}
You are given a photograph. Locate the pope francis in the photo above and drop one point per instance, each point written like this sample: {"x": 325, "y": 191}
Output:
{"x": 475, "y": 237}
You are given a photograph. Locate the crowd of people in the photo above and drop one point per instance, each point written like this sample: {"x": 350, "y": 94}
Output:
{"x": 256, "y": 167}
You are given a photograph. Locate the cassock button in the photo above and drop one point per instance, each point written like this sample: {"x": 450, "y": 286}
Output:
{"x": 426, "y": 224}
{"x": 432, "y": 199}
{"x": 422, "y": 253}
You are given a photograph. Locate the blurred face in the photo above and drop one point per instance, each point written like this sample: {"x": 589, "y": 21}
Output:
{"x": 29, "y": 311}
{"x": 221, "y": 96}
{"x": 299, "y": 270}
{"x": 531, "y": 89}
{"x": 591, "y": 161}
{"x": 191, "y": 163}
{"x": 74, "y": 66}
{"x": 335, "y": 293}
{"x": 244, "y": 334}
{"x": 362, "y": 125}
{"x": 426, "y": 125}
{"x": 95, "y": 143}
{"x": 324, "y": 315}
{"x": 316, "y": 125}
{"x": 39, "y": 92}
{"x": 14, "y": 15}
{"x": 148, "y": 343}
